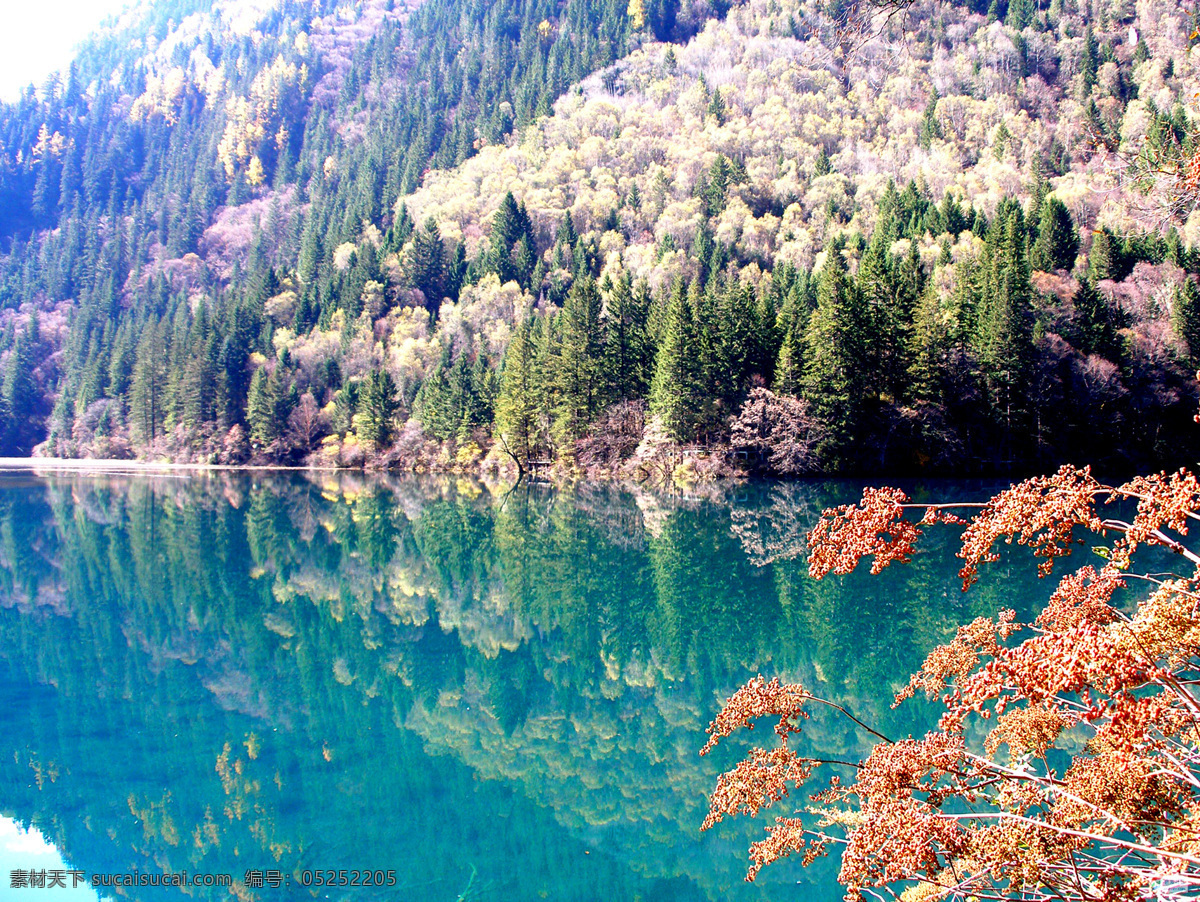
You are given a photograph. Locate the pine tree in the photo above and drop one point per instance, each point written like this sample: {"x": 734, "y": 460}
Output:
{"x": 262, "y": 408}
{"x": 427, "y": 264}
{"x": 930, "y": 127}
{"x": 792, "y": 326}
{"x": 1096, "y": 321}
{"x": 1185, "y": 320}
{"x": 675, "y": 389}
{"x": 148, "y": 402}
{"x": 716, "y": 107}
{"x": 1004, "y": 324}
{"x": 1089, "y": 61}
{"x": 1104, "y": 258}
{"x": 1057, "y": 238}
{"x": 20, "y": 396}
{"x": 628, "y": 360}
{"x": 835, "y": 377}
{"x": 377, "y": 409}
{"x": 518, "y": 411}
{"x": 734, "y": 353}
{"x": 579, "y": 380}
{"x": 928, "y": 349}
{"x": 511, "y": 250}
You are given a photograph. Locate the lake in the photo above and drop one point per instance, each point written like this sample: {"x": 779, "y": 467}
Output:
{"x": 463, "y": 692}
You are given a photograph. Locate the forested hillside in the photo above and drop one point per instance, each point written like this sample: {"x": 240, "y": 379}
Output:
{"x": 610, "y": 235}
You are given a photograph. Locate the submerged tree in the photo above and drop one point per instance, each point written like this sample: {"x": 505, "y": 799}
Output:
{"x": 1096, "y": 794}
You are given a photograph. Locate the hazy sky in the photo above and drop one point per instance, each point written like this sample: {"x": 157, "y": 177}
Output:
{"x": 39, "y": 36}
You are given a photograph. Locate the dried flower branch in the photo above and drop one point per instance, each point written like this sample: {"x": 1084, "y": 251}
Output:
{"x": 1113, "y": 691}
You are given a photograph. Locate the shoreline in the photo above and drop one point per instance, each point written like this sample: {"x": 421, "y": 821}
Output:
{"x": 103, "y": 465}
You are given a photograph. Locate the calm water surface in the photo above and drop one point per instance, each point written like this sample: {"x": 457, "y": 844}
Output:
{"x": 496, "y": 696}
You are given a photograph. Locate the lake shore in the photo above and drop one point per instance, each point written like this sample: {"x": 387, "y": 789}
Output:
{"x": 104, "y": 465}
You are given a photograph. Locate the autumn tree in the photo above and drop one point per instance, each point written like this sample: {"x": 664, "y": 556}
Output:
{"x": 1065, "y": 764}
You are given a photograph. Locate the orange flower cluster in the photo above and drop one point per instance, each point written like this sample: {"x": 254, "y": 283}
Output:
{"x": 1040, "y": 512}
{"x": 1107, "y": 688}
{"x": 757, "y": 698}
{"x": 876, "y": 526}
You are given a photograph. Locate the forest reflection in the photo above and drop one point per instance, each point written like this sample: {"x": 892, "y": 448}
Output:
{"x": 498, "y": 693}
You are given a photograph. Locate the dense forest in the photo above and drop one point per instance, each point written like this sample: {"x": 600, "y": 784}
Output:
{"x": 611, "y": 237}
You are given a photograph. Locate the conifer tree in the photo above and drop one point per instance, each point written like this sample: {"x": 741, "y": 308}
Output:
{"x": 1105, "y": 259}
{"x": 263, "y": 408}
{"x": 675, "y": 389}
{"x": 627, "y": 358}
{"x": 20, "y": 395}
{"x": 579, "y": 378}
{"x": 518, "y": 411}
{"x": 510, "y": 249}
{"x": 1004, "y": 324}
{"x": 427, "y": 264}
{"x": 1185, "y": 319}
{"x": 377, "y": 409}
{"x": 148, "y": 402}
{"x": 1097, "y": 322}
{"x": 1057, "y": 238}
{"x": 792, "y": 327}
{"x": 835, "y": 378}
{"x": 928, "y": 352}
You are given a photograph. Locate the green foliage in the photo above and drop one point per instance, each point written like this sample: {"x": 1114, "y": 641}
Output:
{"x": 579, "y": 379}
{"x": 628, "y": 353}
{"x": 267, "y": 406}
{"x": 1057, "y": 240}
{"x": 377, "y": 409}
{"x": 677, "y": 389}
{"x": 1097, "y": 321}
{"x": 519, "y": 410}
{"x": 457, "y": 397}
{"x": 1185, "y": 320}
{"x": 836, "y": 344}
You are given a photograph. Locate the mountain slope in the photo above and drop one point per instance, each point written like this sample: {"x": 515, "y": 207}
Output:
{"x": 253, "y": 256}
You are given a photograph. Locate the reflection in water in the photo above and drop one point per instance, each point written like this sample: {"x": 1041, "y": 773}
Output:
{"x": 24, "y": 850}
{"x": 498, "y": 696}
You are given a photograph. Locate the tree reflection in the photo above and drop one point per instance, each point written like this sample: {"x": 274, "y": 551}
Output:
{"x": 195, "y": 668}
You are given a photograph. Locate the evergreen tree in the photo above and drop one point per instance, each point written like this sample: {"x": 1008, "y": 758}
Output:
{"x": 716, "y": 107}
{"x": 519, "y": 416}
{"x": 20, "y": 394}
{"x": 928, "y": 353}
{"x": 930, "y": 127}
{"x": 427, "y": 265}
{"x": 263, "y": 405}
{"x": 510, "y": 250}
{"x": 1089, "y": 61}
{"x": 676, "y": 388}
{"x": 835, "y": 379}
{"x": 1096, "y": 321}
{"x": 1057, "y": 238}
{"x": 377, "y": 409}
{"x": 792, "y": 327}
{"x": 1105, "y": 258}
{"x": 345, "y": 406}
{"x": 1004, "y": 325}
{"x": 579, "y": 378}
{"x": 1185, "y": 320}
{"x": 148, "y": 402}
{"x": 627, "y": 356}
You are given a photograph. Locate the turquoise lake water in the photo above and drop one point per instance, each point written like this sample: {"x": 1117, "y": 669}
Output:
{"x": 469, "y": 694}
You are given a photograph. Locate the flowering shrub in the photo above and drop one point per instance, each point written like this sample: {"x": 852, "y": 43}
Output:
{"x": 948, "y": 816}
